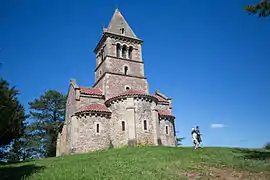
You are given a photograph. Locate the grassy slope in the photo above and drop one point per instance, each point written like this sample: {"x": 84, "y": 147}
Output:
{"x": 147, "y": 163}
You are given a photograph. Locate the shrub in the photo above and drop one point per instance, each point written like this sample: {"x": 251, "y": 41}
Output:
{"x": 267, "y": 146}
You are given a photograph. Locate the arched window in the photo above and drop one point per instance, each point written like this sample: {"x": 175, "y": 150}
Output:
{"x": 167, "y": 131}
{"x": 124, "y": 51}
{"x": 122, "y": 31}
{"x": 125, "y": 70}
{"x": 145, "y": 125}
{"x": 123, "y": 126}
{"x": 97, "y": 128}
{"x": 130, "y": 52}
{"x": 118, "y": 50}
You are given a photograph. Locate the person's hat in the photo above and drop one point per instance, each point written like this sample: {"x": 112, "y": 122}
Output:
{"x": 192, "y": 129}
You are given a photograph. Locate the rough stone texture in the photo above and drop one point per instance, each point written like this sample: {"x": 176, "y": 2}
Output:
{"x": 86, "y": 100}
{"x": 142, "y": 113}
{"x": 115, "y": 84}
{"x": 87, "y": 138}
{"x": 118, "y": 136}
{"x": 167, "y": 139}
{"x": 79, "y": 134}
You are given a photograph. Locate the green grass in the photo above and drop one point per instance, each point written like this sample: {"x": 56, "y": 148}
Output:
{"x": 147, "y": 163}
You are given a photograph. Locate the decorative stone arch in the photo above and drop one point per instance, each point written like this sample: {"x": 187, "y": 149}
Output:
{"x": 118, "y": 49}
{"x": 124, "y": 51}
{"x": 130, "y": 51}
{"x": 97, "y": 127}
{"x": 122, "y": 31}
{"x": 145, "y": 125}
{"x": 126, "y": 69}
{"x": 123, "y": 125}
{"x": 167, "y": 129}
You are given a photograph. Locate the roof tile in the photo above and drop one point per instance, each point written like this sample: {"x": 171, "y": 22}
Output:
{"x": 165, "y": 113}
{"x": 91, "y": 91}
{"x": 95, "y": 108}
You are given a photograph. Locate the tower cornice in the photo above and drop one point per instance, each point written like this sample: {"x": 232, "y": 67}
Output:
{"x": 116, "y": 36}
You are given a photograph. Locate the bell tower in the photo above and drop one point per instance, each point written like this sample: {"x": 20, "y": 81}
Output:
{"x": 119, "y": 64}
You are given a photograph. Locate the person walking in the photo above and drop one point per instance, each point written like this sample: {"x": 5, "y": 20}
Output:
{"x": 194, "y": 138}
{"x": 199, "y": 138}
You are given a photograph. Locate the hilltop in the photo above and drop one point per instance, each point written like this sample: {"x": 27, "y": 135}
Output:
{"x": 148, "y": 163}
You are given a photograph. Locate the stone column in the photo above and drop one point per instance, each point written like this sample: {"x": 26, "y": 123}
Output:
{"x": 130, "y": 118}
{"x": 156, "y": 129}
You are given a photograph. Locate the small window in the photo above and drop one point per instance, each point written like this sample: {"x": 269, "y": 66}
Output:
{"x": 97, "y": 128}
{"x": 167, "y": 132}
{"x": 125, "y": 70}
{"x": 122, "y": 31}
{"x": 130, "y": 52}
{"x": 144, "y": 125}
{"x": 123, "y": 126}
{"x": 118, "y": 50}
{"x": 100, "y": 72}
{"x": 124, "y": 51}
{"x": 127, "y": 88}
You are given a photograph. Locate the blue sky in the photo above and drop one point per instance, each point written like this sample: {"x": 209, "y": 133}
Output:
{"x": 210, "y": 57}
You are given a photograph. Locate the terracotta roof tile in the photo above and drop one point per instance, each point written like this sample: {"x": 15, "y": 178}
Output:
{"x": 165, "y": 113}
{"x": 133, "y": 92}
{"x": 91, "y": 91}
{"x": 160, "y": 99}
{"x": 95, "y": 108}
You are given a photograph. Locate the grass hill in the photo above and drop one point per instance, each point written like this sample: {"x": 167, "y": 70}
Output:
{"x": 148, "y": 163}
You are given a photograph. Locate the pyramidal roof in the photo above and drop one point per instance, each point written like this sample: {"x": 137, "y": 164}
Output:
{"x": 117, "y": 23}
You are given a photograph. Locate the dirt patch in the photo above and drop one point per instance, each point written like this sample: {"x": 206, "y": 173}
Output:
{"x": 225, "y": 173}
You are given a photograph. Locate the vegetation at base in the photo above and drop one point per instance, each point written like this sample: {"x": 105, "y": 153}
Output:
{"x": 267, "y": 146}
{"x": 148, "y": 163}
{"x": 48, "y": 115}
{"x": 262, "y": 9}
{"x": 21, "y": 139}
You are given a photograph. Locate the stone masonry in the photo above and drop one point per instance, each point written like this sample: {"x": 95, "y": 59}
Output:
{"x": 118, "y": 110}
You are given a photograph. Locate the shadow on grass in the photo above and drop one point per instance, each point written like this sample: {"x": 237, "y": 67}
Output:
{"x": 19, "y": 172}
{"x": 254, "y": 154}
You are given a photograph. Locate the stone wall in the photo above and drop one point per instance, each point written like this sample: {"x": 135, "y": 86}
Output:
{"x": 87, "y": 99}
{"x": 86, "y": 137}
{"x": 63, "y": 141}
{"x": 143, "y": 113}
{"x": 167, "y": 138}
{"x": 116, "y": 65}
{"x": 115, "y": 84}
{"x": 118, "y": 136}
{"x": 112, "y": 42}
{"x": 163, "y": 107}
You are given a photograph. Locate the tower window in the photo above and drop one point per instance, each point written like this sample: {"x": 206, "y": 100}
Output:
{"x": 97, "y": 128}
{"x": 125, "y": 70}
{"x": 130, "y": 52}
{"x": 122, "y": 30}
{"x": 118, "y": 50}
{"x": 127, "y": 88}
{"x": 123, "y": 126}
{"x": 144, "y": 125}
{"x": 167, "y": 132}
{"x": 124, "y": 51}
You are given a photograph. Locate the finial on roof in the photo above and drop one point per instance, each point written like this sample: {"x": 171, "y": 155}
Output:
{"x": 116, "y": 7}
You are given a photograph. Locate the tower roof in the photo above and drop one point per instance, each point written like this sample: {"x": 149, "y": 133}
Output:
{"x": 117, "y": 23}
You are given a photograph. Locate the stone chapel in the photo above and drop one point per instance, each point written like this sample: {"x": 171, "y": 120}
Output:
{"x": 118, "y": 110}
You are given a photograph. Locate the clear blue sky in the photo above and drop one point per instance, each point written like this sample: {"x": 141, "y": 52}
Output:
{"x": 210, "y": 57}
